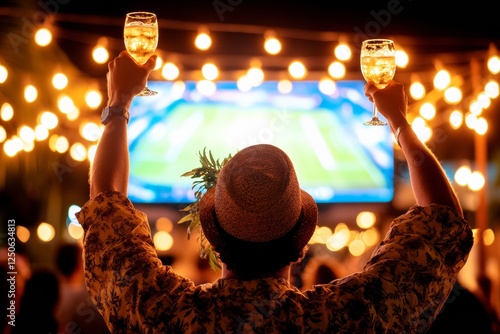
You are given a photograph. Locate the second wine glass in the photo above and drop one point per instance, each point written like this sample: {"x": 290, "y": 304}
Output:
{"x": 141, "y": 39}
{"x": 378, "y": 65}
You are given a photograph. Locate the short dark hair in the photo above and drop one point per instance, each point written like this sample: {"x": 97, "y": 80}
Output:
{"x": 68, "y": 258}
{"x": 251, "y": 260}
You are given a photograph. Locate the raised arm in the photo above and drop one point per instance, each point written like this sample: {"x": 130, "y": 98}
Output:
{"x": 110, "y": 169}
{"x": 428, "y": 179}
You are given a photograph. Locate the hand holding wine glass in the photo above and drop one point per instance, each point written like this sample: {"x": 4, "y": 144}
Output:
{"x": 378, "y": 65}
{"x": 141, "y": 39}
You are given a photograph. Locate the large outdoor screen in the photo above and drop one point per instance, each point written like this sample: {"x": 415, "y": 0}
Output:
{"x": 337, "y": 158}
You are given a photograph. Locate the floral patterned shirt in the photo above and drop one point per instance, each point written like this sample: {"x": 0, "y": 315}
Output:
{"x": 400, "y": 290}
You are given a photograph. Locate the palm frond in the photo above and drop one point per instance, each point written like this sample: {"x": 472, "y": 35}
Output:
{"x": 204, "y": 178}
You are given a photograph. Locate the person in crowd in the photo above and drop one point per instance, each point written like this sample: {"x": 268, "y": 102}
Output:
{"x": 14, "y": 283}
{"x": 75, "y": 312}
{"x": 259, "y": 222}
{"x": 38, "y": 304}
{"x": 320, "y": 269}
{"x": 464, "y": 312}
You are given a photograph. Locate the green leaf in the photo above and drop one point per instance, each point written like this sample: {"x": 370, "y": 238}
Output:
{"x": 204, "y": 178}
{"x": 213, "y": 260}
{"x": 185, "y": 219}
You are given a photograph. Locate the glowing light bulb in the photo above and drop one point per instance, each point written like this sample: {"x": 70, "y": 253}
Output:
{"x": 100, "y": 54}
{"x": 203, "y": 41}
{"x": 272, "y": 45}
{"x": 4, "y": 73}
{"x": 170, "y": 71}
{"x": 59, "y": 81}
{"x": 43, "y": 37}
{"x": 337, "y": 70}
{"x": 343, "y": 52}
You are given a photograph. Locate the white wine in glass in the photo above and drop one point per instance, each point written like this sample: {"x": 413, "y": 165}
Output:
{"x": 141, "y": 39}
{"x": 378, "y": 65}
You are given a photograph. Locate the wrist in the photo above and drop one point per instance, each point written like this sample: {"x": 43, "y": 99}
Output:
{"x": 114, "y": 112}
{"x": 397, "y": 132}
{"x": 124, "y": 101}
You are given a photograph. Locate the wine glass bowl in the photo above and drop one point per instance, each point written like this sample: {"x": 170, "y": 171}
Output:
{"x": 140, "y": 35}
{"x": 378, "y": 65}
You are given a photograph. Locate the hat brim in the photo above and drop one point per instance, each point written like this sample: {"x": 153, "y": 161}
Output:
{"x": 301, "y": 232}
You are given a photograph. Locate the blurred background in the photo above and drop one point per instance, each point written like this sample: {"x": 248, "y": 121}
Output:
{"x": 53, "y": 65}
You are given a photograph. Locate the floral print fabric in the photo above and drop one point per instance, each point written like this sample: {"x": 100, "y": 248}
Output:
{"x": 400, "y": 290}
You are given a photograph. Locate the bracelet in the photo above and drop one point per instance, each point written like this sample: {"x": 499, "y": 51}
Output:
{"x": 397, "y": 133}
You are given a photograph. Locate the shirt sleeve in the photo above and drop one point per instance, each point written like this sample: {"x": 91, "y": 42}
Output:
{"x": 413, "y": 270}
{"x": 123, "y": 273}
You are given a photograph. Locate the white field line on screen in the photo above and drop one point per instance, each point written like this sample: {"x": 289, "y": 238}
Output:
{"x": 182, "y": 134}
{"x": 317, "y": 142}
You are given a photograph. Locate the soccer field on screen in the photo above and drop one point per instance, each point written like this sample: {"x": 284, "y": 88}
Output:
{"x": 330, "y": 161}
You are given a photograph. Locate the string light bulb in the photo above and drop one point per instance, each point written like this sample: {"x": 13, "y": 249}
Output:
{"x": 285, "y": 86}
{"x": 453, "y": 95}
{"x": 46, "y": 232}
{"x": 41, "y": 132}
{"x": 170, "y": 71}
{"x": 462, "y": 175}
{"x": 26, "y": 133}
{"x": 336, "y": 70}
{"x": 456, "y": 119}
{"x": 342, "y": 51}
{"x": 206, "y": 87}
{"x": 493, "y": 62}
{"x": 243, "y": 83}
{"x": 476, "y": 181}
{"x": 159, "y": 63}
{"x": 272, "y": 45}
{"x": 402, "y": 58}
{"x": 442, "y": 79}
{"x": 203, "y": 41}
{"x": 3, "y": 134}
{"x": 100, "y": 52}
{"x": 6, "y": 112}
{"x": 93, "y": 98}
{"x": 492, "y": 89}
{"x": 484, "y": 100}
{"x": 481, "y": 126}
{"x": 297, "y": 69}
{"x": 4, "y": 74}
{"x": 210, "y": 71}
{"x": 59, "y": 81}
{"x": 65, "y": 104}
{"x": 475, "y": 107}
{"x": 428, "y": 111}
{"x": 417, "y": 89}
{"x": 327, "y": 86}
{"x": 49, "y": 120}
{"x": 470, "y": 120}
{"x": 78, "y": 152}
{"x": 30, "y": 93}
{"x": 255, "y": 74}
{"x": 43, "y": 37}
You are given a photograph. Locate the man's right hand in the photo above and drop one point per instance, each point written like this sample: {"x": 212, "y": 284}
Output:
{"x": 391, "y": 102}
{"x": 126, "y": 78}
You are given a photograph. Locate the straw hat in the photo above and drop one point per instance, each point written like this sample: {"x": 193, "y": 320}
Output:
{"x": 257, "y": 198}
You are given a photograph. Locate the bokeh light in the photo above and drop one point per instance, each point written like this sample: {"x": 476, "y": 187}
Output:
{"x": 46, "y": 232}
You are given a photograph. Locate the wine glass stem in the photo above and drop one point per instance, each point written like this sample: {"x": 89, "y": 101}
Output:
{"x": 375, "y": 111}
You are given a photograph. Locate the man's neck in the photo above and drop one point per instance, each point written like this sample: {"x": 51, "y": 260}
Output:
{"x": 283, "y": 273}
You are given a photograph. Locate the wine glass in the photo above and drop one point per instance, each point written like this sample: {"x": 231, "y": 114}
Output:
{"x": 141, "y": 39}
{"x": 378, "y": 65}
